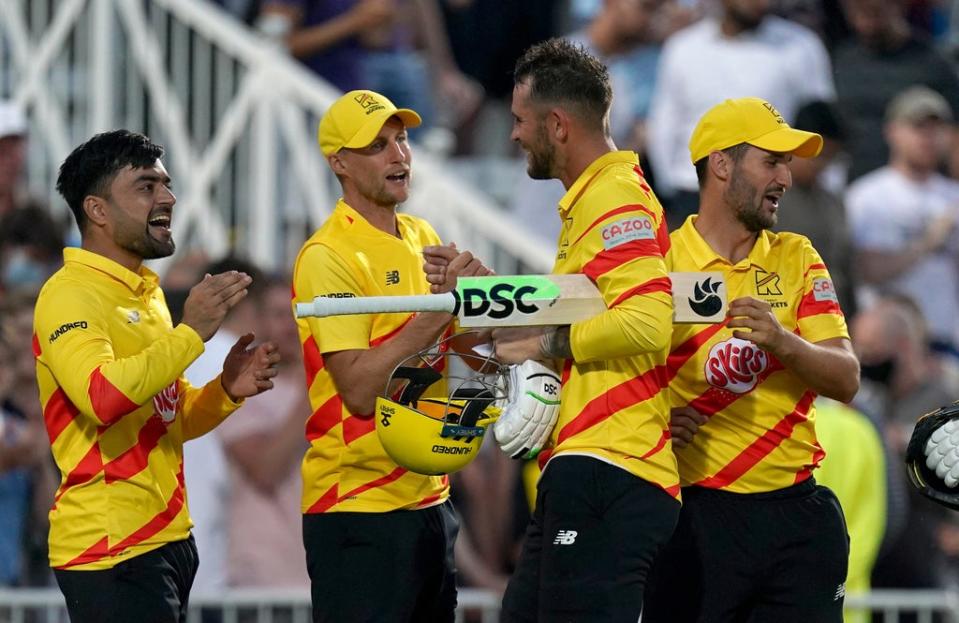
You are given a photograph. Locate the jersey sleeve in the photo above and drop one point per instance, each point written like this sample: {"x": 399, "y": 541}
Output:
{"x": 819, "y": 315}
{"x": 204, "y": 408}
{"x": 79, "y": 353}
{"x": 625, "y": 250}
{"x": 320, "y": 271}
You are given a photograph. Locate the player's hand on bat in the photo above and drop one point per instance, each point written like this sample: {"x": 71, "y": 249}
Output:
{"x": 517, "y": 344}
{"x": 444, "y": 263}
{"x": 684, "y": 422}
{"x": 209, "y": 301}
{"x": 764, "y": 329}
{"x": 249, "y": 371}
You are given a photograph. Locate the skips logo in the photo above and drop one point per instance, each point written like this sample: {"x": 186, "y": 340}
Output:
{"x": 166, "y": 402}
{"x": 735, "y": 365}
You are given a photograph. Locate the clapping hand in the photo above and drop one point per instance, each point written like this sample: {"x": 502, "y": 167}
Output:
{"x": 248, "y": 371}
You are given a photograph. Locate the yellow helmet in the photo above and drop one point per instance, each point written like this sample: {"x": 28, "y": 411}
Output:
{"x": 441, "y": 435}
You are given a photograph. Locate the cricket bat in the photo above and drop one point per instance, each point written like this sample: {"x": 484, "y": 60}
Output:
{"x": 526, "y": 300}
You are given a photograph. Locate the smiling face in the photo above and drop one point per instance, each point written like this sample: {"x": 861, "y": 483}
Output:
{"x": 529, "y": 131}
{"x": 139, "y": 209}
{"x": 756, "y": 184}
{"x": 379, "y": 173}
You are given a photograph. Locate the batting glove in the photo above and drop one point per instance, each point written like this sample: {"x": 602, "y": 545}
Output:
{"x": 942, "y": 453}
{"x": 531, "y": 411}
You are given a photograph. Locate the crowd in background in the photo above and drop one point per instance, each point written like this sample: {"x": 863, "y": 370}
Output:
{"x": 877, "y": 78}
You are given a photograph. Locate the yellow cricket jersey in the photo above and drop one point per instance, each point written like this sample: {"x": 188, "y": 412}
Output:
{"x": 761, "y": 434}
{"x": 614, "y": 403}
{"x": 117, "y": 410}
{"x": 346, "y": 467}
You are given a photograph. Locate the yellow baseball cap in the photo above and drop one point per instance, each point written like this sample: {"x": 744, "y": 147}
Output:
{"x": 356, "y": 118}
{"x": 749, "y": 120}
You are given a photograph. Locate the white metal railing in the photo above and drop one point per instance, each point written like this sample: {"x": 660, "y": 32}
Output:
{"x": 267, "y": 606}
{"x": 236, "y": 114}
{"x": 248, "y": 606}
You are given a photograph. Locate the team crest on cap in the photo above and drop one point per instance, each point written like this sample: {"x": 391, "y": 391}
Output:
{"x": 369, "y": 103}
{"x": 775, "y": 113}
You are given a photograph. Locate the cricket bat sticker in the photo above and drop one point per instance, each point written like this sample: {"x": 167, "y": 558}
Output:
{"x": 698, "y": 297}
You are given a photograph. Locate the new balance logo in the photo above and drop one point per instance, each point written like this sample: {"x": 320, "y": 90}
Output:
{"x": 392, "y": 277}
{"x": 565, "y": 537}
{"x": 840, "y": 592}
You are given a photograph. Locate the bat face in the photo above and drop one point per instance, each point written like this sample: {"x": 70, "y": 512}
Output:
{"x": 528, "y": 300}
{"x": 520, "y": 300}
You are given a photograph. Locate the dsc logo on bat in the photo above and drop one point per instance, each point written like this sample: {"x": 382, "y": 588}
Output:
{"x": 499, "y": 301}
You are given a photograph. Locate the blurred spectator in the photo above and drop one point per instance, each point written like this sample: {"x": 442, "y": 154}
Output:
{"x": 930, "y": 18}
{"x": 808, "y": 208}
{"x": 903, "y": 215}
{"x": 883, "y": 58}
{"x": 13, "y": 155}
{"x": 180, "y": 276}
{"x": 854, "y": 468}
{"x": 908, "y": 379}
{"x": 619, "y": 35}
{"x": 489, "y": 539}
{"x": 324, "y": 34}
{"x": 487, "y": 36}
{"x": 204, "y": 460}
{"x": 373, "y": 44}
{"x": 622, "y": 36}
{"x": 745, "y": 51}
{"x": 264, "y": 442}
{"x": 27, "y": 475}
{"x": 31, "y": 247}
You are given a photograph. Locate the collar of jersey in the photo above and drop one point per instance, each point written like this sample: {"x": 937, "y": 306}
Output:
{"x": 592, "y": 172}
{"x": 136, "y": 282}
{"x": 692, "y": 243}
{"x": 355, "y": 219}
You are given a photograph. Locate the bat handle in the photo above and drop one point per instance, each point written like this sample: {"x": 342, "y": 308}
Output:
{"x": 322, "y": 307}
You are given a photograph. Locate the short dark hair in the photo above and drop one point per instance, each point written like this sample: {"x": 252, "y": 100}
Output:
{"x": 227, "y": 263}
{"x": 91, "y": 167}
{"x": 736, "y": 152}
{"x": 822, "y": 118}
{"x": 559, "y": 71}
{"x": 32, "y": 226}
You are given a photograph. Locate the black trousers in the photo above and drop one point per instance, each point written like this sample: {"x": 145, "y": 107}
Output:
{"x": 150, "y": 588}
{"x": 394, "y": 567}
{"x": 776, "y": 557}
{"x": 594, "y": 534}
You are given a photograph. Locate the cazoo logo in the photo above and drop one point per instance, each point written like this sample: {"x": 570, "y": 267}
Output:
{"x": 735, "y": 365}
{"x": 626, "y": 230}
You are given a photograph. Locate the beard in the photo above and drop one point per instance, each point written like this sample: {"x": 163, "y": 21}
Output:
{"x": 542, "y": 156}
{"x": 379, "y": 195}
{"x": 146, "y": 246}
{"x": 136, "y": 238}
{"x": 748, "y": 204}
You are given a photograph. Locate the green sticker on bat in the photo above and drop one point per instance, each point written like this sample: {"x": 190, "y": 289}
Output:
{"x": 500, "y": 297}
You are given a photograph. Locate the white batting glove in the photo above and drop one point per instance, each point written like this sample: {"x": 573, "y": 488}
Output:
{"x": 942, "y": 453}
{"x": 531, "y": 411}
